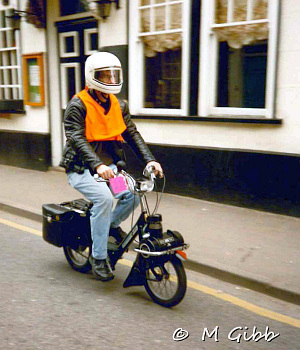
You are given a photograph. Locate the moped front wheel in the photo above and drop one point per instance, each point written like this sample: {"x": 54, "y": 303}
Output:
{"x": 166, "y": 282}
{"x": 78, "y": 258}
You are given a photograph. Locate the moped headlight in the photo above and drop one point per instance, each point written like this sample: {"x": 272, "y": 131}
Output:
{"x": 146, "y": 186}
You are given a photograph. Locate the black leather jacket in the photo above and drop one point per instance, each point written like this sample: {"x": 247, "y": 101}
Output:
{"x": 79, "y": 154}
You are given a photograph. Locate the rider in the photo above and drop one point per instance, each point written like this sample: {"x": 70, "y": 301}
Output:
{"x": 96, "y": 125}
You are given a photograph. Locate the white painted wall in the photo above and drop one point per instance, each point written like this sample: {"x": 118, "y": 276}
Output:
{"x": 270, "y": 138}
{"x": 113, "y": 31}
{"x": 36, "y": 119}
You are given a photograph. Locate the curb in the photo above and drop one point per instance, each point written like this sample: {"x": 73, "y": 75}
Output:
{"x": 223, "y": 275}
{"x": 21, "y": 212}
{"x": 244, "y": 281}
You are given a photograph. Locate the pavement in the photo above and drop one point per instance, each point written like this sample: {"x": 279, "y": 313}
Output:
{"x": 255, "y": 249}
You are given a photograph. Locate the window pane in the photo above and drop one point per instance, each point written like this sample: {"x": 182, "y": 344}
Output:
{"x": 3, "y": 41}
{"x": 8, "y": 58}
{"x": 68, "y": 7}
{"x": 145, "y": 22}
{"x": 14, "y": 72}
{"x": 260, "y": 10}
{"x": 163, "y": 80}
{"x": 1, "y": 77}
{"x": 10, "y": 94}
{"x": 94, "y": 41}
{"x": 239, "y": 10}
{"x": 9, "y": 77}
{"x": 221, "y": 11}
{"x": 145, "y": 2}
{"x": 242, "y": 76}
{"x": 71, "y": 82}
{"x": 69, "y": 42}
{"x": 160, "y": 18}
{"x": 175, "y": 14}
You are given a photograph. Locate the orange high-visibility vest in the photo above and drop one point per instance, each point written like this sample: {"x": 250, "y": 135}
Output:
{"x": 100, "y": 126}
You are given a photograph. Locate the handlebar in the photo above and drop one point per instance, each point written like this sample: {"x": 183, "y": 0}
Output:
{"x": 134, "y": 185}
{"x": 124, "y": 181}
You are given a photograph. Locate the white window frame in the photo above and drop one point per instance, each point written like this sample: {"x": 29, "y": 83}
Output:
{"x": 136, "y": 61}
{"x": 64, "y": 85}
{"x": 16, "y": 67}
{"x": 208, "y": 71}
{"x": 87, "y": 41}
{"x": 62, "y": 48}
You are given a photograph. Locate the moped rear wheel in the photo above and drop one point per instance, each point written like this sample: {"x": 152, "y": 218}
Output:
{"x": 78, "y": 258}
{"x": 166, "y": 282}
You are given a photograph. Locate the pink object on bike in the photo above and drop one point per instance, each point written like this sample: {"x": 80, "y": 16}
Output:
{"x": 118, "y": 184}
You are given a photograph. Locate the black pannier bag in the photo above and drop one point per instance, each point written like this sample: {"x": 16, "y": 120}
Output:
{"x": 67, "y": 223}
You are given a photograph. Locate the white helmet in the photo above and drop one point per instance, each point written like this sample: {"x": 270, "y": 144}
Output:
{"x": 103, "y": 72}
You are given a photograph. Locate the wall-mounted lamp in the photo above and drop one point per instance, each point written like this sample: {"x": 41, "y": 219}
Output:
{"x": 104, "y": 7}
{"x": 16, "y": 18}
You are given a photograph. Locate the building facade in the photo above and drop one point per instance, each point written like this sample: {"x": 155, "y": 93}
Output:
{"x": 213, "y": 86}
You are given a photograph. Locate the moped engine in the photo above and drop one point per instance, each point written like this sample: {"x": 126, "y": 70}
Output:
{"x": 167, "y": 241}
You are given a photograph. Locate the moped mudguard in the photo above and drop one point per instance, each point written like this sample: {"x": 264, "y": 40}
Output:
{"x": 136, "y": 275}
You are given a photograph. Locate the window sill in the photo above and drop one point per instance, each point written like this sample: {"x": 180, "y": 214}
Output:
{"x": 12, "y": 112}
{"x": 12, "y": 107}
{"x": 212, "y": 119}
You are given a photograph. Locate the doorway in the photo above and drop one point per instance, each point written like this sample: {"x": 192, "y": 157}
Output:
{"x": 77, "y": 40}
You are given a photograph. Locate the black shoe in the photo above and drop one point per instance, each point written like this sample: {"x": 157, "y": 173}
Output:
{"x": 117, "y": 233}
{"x": 101, "y": 269}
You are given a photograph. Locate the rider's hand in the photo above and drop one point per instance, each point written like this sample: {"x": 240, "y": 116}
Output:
{"x": 157, "y": 168}
{"x": 105, "y": 172}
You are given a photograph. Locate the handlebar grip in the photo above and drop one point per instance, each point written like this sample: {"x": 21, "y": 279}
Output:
{"x": 149, "y": 171}
{"x": 121, "y": 165}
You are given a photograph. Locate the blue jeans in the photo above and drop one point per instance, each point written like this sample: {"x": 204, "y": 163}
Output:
{"x": 102, "y": 216}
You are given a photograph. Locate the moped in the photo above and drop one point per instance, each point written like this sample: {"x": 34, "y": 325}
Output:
{"x": 158, "y": 264}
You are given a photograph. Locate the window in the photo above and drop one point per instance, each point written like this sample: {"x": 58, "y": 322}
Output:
{"x": 90, "y": 41}
{"x": 70, "y": 81}
{"x": 69, "y": 44}
{"x": 241, "y": 75}
{"x": 68, "y": 7}
{"x": 10, "y": 65}
{"x": 159, "y": 56}
{"x": 238, "y": 57}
